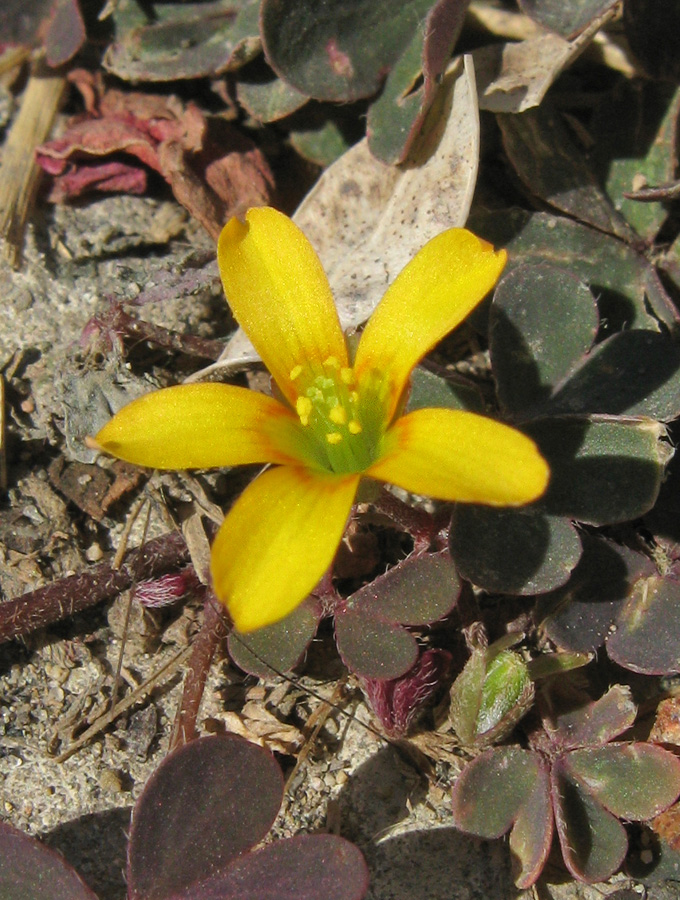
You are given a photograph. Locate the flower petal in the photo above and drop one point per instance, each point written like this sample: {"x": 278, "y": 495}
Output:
{"x": 430, "y": 296}
{"x": 460, "y": 456}
{"x": 279, "y": 294}
{"x": 198, "y": 426}
{"x": 277, "y": 541}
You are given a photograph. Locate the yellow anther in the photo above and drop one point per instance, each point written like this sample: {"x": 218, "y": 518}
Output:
{"x": 353, "y": 396}
{"x": 354, "y": 427}
{"x": 332, "y": 363}
{"x": 295, "y": 373}
{"x": 334, "y": 437}
{"x": 346, "y": 375}
{"x": 303, "y": 407}
{"x": 338, "y": 415}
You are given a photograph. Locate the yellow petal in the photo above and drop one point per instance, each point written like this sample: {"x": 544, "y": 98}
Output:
{"x": 278, "y": 540}
{"x": 279, "y": 294}
{"x": 460, "y": 456}
{"x": 197, "y": 426}
{"x": 430, "y": 296}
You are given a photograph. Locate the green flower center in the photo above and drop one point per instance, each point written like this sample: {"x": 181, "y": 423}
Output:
{"x": 343, "y": 421}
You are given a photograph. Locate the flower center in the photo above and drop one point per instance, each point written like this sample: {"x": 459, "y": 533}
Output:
{"x": 343, "y": 420}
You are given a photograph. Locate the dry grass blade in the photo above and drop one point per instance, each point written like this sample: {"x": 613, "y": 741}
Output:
{"x": 20, "y": 174}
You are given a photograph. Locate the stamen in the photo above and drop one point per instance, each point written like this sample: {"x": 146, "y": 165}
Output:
{"x": 338, "y": 415}
{"x": 346, "y": 375}
{"x": 303, "y": 407}
{"x": 354, "y": 427}
{"x": 332, "y": 363}
{"x": 295, "y": 373}
{"x": 334, "y": 437}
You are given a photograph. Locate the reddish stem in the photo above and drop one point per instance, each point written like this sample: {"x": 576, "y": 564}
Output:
{"x": 63, "y": 598}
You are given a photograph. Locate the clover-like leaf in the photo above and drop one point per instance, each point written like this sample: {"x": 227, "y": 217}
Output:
{"x": 187, "y": 40}
{"x": 593, "y": 841}
{"x": 513, "y": 551}
{"x": 554, "y": 169}
{"x": 633, "y": 781}
{"x": 628, "y": 289}
{"x": 28, "y": 869}
{"x": 507, "y": 789}
{"x": 428, "y": 390}
{"x": 279, "y": 647}
{"x": 604, "y": 469}
{"x": 579, "y": 615}
{"x": 530, "y": 358}
{"x": 643, "y": 640}
{"x": 206, "y": 804}
{"x": 591, "y": 723}
{"x": 306, "y": 867}
{"x": 368, "y": 630}
{"x": 201, "y": 812}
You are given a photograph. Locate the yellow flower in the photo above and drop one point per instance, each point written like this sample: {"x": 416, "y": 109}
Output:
{"x": 338, "y": 419}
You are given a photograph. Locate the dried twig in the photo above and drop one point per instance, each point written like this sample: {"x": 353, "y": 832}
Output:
{"x": 19, "y": 174}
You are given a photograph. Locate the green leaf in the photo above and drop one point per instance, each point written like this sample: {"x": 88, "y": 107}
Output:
{"x": 320, "y": 142}
{"x": 553, "y": 168}
{"x": 624, "y": 282}
{"x": 269, "y": 101}
{"x": 513, "y": 551}
{"x": 593, "y": 841}
{"x": 644, "y": 641}
{"x": 530, "y": 357}
{"x": 634, "y": 131}
{"x": 280, "y": 645}
{"x": 603, "y": 469}
{"x": 633, "y": 781}
{"x": 428, "y": 390}
{"x": 507, "y": 694}
{"x": 188, "y": 40}
{"x": 566, "y": 17}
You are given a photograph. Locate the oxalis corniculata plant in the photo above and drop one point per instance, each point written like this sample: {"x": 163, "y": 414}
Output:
{"x": 542, "y": 619}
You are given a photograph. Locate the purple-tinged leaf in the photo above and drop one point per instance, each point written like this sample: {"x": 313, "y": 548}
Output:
{"x": 579, "y": 616}
{"x": 508, "y": 788}
{"x": 566, "y": 17}
{"x": 591, "y": 724}
{"x": 529, "y": 357}
{"x": 417, "y": 591}
{"x": 65, "y": 32}
{"x": 372, "y": 647}
{"x": 307, "y": 867}
{"x": 647, "y": 638}
{"x": 397, "y": 702}
{"x": 513, "y": 551}
{"x": 207, "y": 803}
{"x": 593, "y": 841}
{"x": 633, "y": 781}
{"x": 29, "y": 870}
{"x": 278, "y": 647}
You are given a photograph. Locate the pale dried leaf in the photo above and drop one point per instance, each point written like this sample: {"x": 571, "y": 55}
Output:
{"x": 367, "y": 219}
{"x": 513, "y": 77}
